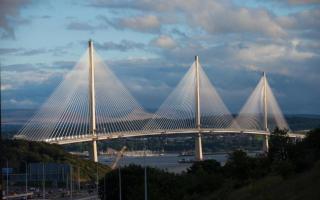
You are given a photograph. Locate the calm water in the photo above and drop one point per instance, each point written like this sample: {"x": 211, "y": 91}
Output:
{"x": 166, "y": 161}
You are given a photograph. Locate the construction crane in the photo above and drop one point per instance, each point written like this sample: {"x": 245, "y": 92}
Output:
{"x": 119, "y": 155}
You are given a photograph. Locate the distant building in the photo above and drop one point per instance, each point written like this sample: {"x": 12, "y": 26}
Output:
{"x": 49, "y": 171}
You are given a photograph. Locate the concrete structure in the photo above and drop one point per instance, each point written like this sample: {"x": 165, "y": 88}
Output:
{"x": 265, "y": 147}
{"x": 198, "y": 143}
{"x": 92, "y": 104}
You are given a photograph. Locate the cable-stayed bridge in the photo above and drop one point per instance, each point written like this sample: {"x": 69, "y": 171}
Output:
{"x": 91, "y": 104}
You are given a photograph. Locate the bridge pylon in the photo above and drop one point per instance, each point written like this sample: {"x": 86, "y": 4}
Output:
{"x": 92, "y": 104}
{"x": 198, "y": 142}
{"x": 265, "y": 146}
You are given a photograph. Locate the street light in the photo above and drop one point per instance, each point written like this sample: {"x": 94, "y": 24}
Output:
{"x": 7, "y": 192}
{"x": 97, "y": 181}
{"x": 145, "y": 173}
{"x": 43, "y": 183}
{"x": 120, "y": 189}
{"x": 71, "y": 182}
{"x": 79, "y": 179}
{"x": 26, "y": 174}
{"x": 104, "y": 187}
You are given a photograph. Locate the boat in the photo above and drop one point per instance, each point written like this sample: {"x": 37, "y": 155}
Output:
{"x": 185, "y": 160}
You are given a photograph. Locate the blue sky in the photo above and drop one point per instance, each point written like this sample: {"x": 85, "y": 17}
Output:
{"x": 150, "y": 44}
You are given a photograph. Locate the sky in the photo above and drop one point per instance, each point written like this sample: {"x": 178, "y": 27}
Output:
{"x": 149, "y": 44}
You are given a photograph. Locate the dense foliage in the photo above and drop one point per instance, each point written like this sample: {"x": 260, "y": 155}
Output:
{"x": 289, "y": 164}
{"x": 17, "y": 152}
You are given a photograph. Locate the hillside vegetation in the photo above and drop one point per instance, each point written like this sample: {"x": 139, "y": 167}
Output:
{"x": 300, "y": 186}
{"x": 17, "y": 152}
{"x": 291, "y": 170}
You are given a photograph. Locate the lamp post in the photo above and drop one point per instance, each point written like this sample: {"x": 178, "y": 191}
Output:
{"x": 120, "y": 192}
{"x": 26, "y": 165}
{"x": 145, "y": 174}
{"x": 104, "y": 188}
{"x": 71, "y": 197}
{"x": 43, "y": 183}
{"x": 97, "y": 179}
{"x": 7, "y": 189}
{"x": 79, "y": 179}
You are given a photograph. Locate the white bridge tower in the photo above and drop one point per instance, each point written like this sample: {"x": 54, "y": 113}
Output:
{"x": 265, "y": 147}
{"x": 92, "y": 104}
{"x": 198, "y": 143}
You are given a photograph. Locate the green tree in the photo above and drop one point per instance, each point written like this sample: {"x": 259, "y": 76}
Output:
{"x": 279, "y": 145}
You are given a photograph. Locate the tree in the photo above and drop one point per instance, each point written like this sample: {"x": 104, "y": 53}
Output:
{"x": 238, "y": 165}
{"x": 279, "y": 144}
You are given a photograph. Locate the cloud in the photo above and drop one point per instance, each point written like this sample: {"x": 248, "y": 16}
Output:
{"x": 29, "y": 77}
{"x": 62, "y": 49}
{"x": 18, "y": 103}
{"x": 295, "y": 2}
{"x": 21, "y": 103}
{"x": 20, "y": 75}
{"x": 148, "y": 23}
{"x": 29, "y": 85}
{"x": 128, "y": 4}
{"x": 271, "y": 53}
{"x": 139, "y": 23}
{"x": 303, "y": 1}
{"x": 21, "y": 51}
{"x": 10, "y": 16}
{"x": 124, "y": 45}
{"x": 4, "y": 51}
{"x": 217, "y": 17}
{"x": 46, "y": 17}
{"x": 32, "y": 52}
{"x": 304, "y": 24}
{"x": 63, "y": 65}
{"x": 80, "y": 26}
{"x": 6, "y": 87}
{"x": 164, "y": 41}
{"x": 211, "y": 16}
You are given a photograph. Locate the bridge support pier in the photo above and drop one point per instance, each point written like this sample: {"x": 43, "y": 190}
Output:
{"x": 92, "y": 104}
{"x": 94, "y": 153}
{"x": 265, "y": 146}
{"x": 198, "y": 143}
{"x": 198, "y": 148}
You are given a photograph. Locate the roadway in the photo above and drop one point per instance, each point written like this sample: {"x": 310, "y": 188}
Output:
{"x": 184, "y": 132}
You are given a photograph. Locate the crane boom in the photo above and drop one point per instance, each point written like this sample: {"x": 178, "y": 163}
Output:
{"x": 119, "y": 154}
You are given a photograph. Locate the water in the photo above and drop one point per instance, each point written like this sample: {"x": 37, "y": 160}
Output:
{"x": 167, "y": 161}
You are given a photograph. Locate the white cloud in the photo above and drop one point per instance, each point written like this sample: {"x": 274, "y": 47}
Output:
{"x": 303, "y": 1}
{"x": 10, "y": 16}
{"x": 21, "y": 103}
{"x": 149, "y": 23}
{"x": 218, "y": 17}
{"x": 257, "y": 53}
{"x": 304, "y": 20}
{"x": 211, "y": 15}
{"x": 5, "y": 87}
{"x": 29, "y": 76}
{"x": 17, "y": 79}
{"x": 164, "y": 41}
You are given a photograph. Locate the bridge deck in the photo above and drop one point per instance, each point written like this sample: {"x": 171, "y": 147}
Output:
{"x": 115, "y": 135}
